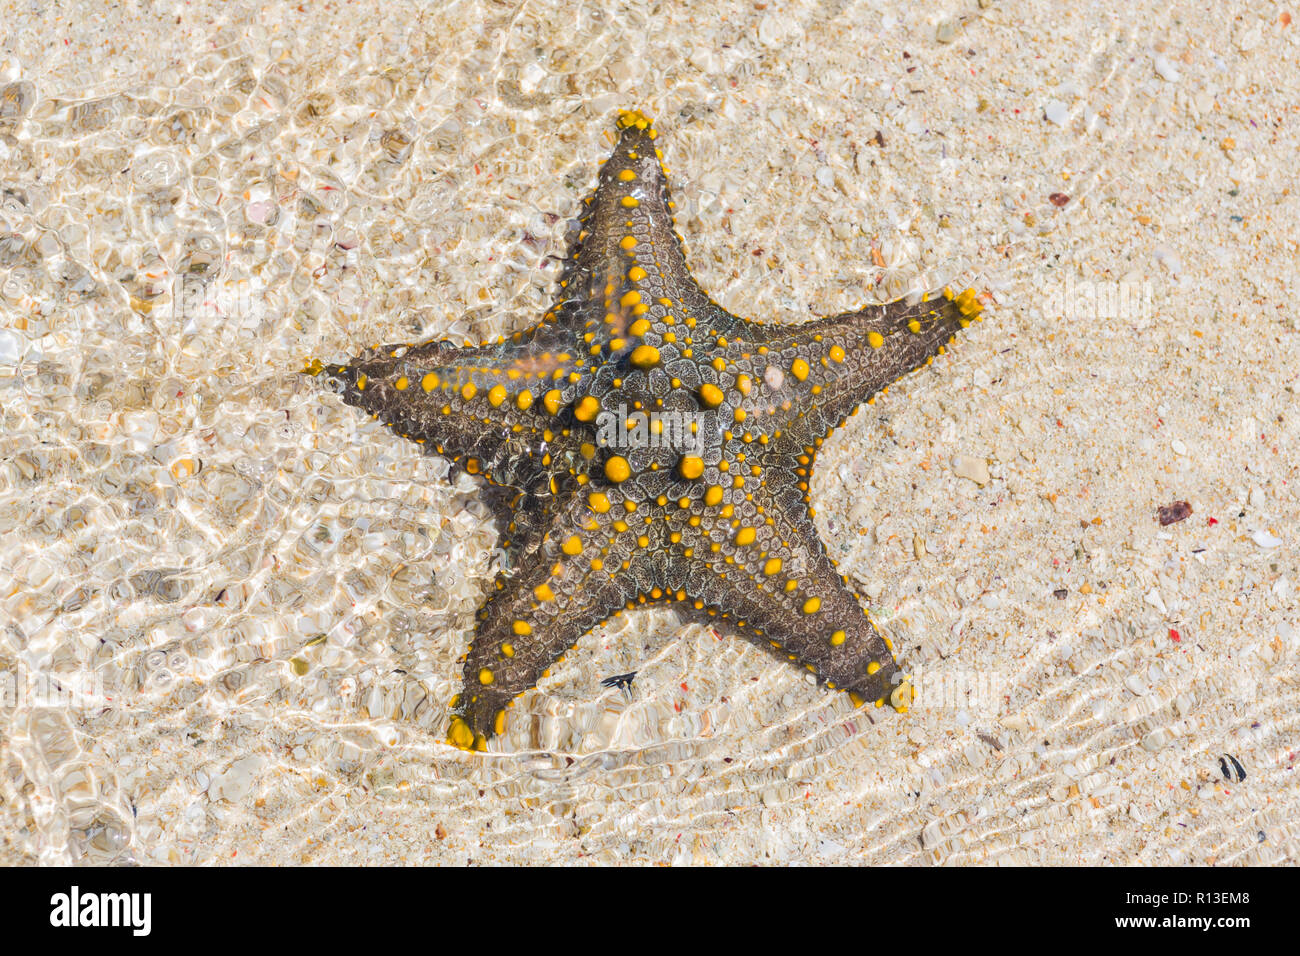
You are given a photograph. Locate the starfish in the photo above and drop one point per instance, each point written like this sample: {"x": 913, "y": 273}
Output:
{"x": 641, "y": 444}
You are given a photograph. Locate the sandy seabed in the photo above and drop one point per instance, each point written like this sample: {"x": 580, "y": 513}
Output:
{"x": 231, "y": 608}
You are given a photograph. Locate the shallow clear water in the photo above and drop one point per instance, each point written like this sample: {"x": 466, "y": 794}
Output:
{"x": 232, "y": 609}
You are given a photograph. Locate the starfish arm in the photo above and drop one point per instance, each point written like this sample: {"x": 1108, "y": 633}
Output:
{"x": 823, "y": 369}
{"x": 755, "y": 561}
{"x": 628, "y": 220}
{"x": 494, "y": 409}
{"x": 595, "y": 558}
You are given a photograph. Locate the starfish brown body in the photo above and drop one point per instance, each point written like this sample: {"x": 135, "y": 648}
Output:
{"x": 642, "y": 444}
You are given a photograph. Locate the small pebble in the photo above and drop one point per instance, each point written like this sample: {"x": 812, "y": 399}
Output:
{"x": 1166, "y": 69}
{"x": 1231, "y": 768}
{"x": 1155, "y": 741}
{"x": 1056, "y": 112}
{"x": 975, "y": 469}
{"x": 1169, "y": 514}
{"x": 1169, "y": 259}
{"x": 1264, "y": 539}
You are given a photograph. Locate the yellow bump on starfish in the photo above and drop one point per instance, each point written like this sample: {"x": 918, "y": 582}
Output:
{"x": 628, "y": 119}
{"x": 645, "y": 356}
{"x": 875, "y": 339}
{"x": 902, "y": 697}
{"x": 968, "y": 303}
{"x": 459, "y": 735}
{"x": 690, "y": 467}
{"x": 522, "y": 628}
{"x": 617, "y": 469}
{"x": 711, "y": 395}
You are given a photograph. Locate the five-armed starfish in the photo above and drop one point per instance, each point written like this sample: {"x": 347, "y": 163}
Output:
{"x": 642, "y": 444}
